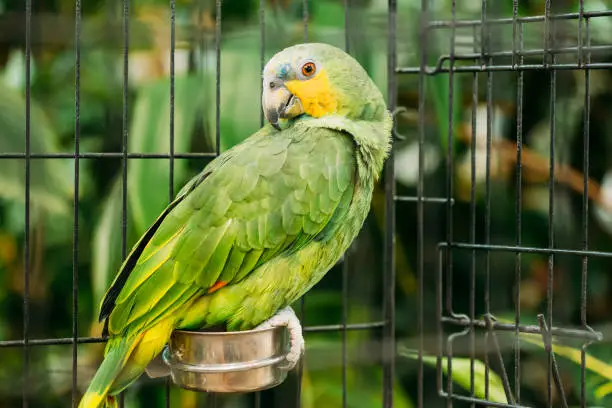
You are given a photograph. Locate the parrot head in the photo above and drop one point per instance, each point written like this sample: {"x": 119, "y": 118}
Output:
{"x": 318, "y": 80}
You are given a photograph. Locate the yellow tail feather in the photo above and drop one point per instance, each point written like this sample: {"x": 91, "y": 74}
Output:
{"x": 150, "y": 345}
{"x": 125, "y": 360}
{"x": 95, "y": 400}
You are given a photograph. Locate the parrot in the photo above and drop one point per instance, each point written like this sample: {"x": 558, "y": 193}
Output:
{"x": 260, "y": 225}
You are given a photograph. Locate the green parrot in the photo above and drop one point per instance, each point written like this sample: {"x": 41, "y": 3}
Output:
{"x": 260, "y": 225}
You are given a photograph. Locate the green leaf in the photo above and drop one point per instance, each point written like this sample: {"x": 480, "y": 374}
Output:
{"x": 598, "y": 383}
{"x": 51, "y": 180}
{"x": 600, "y": 28}
{"x": 461, "y": 375}
{"x": 240, "y": 89}
{"x": 438, "y": 90}
{"x": 106, "y": 251}
{"x": 603, "y": 391}
{"x": 322, "y": 383}
{"x": 150, "y": 133}
{"x": 14, "y": 73}
{"x": 599, "y": 367}
{"x": 573, "y": 354}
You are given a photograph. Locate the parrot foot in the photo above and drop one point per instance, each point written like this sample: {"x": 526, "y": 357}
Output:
{"x": 286, "y": 317}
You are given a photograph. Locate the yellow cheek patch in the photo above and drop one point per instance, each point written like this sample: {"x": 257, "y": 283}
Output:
{"x": 316, "y": 95}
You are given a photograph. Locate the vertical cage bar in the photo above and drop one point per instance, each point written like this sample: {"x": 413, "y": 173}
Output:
{"x": 124, "y": 141}
{"x": 262, "y": 50}
{"x": 305, "y": 18}
{"x": 212, "y": 397}
{"x": 172, "y": 94}
{"x": 262, "y": 61}
{"x": 302, "y": 314}
{"x": 26, "y": 244}
{"x": 75, "y": 233}
{"x": 201, "y": 40}
{"x": 345, "y": 270}
{"x": 472, "y": 300}
{"x": 218, "y": 76}
{"x": 548, "y": 50}
{"x": 585, "y": 195}
{"x": 419, "y": 203}
{"x": 440, "y": 314}
{"x": 485, "y": 49}
{"x": 449, "y": 160}
{"x": 388, "y": 351}
{"x": 449, "y": 193}
{"x": 171, "y": 136}
{"x": 125, "y": 125}
{"x": 346, "y": 256}
{"x": 517, "y": 30}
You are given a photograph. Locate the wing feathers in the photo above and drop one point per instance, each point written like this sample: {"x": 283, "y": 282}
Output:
{"x": 266, "y": 198}
{"x": 108, "y": 303}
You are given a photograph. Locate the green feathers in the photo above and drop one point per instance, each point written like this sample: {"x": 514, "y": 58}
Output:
{"x": 264, "y": 202}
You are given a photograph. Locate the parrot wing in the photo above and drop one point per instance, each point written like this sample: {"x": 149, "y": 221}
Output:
{"x": 269, "y": 196}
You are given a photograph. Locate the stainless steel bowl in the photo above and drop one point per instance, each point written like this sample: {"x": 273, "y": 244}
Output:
{"x": 241, "y": 361}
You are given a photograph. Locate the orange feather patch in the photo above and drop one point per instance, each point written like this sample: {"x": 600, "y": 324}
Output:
{"x": 218, "y": 285}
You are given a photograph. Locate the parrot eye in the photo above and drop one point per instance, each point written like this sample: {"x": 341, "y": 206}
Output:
{"x": 308, "y": 69}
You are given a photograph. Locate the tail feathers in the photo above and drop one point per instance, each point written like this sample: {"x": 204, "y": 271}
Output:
{"x": 92, "y": 399}
{"x": 118, "y": 350}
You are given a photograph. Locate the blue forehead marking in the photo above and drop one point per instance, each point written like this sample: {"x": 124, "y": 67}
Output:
{"x": 283, "y": 71}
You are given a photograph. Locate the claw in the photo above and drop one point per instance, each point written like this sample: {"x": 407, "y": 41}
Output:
{"x": 286, "y": 317}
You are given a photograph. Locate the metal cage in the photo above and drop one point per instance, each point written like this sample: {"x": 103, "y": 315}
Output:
{"x": 434, "y": 260}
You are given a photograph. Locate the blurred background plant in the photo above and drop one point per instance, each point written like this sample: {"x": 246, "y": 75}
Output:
{"x": 147, "y": 125}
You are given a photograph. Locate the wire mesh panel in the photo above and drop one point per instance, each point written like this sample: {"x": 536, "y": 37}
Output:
{"x": 484, "y": 57}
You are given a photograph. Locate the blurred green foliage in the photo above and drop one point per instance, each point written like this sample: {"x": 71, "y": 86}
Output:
{"x": 102, "y": 194}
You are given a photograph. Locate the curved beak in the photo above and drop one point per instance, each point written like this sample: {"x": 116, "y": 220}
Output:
{"x": 279, "y": 104}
